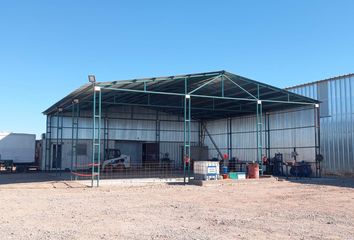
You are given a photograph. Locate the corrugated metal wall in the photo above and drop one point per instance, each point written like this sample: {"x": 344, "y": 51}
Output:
{"x": 337, "y": 125}
{"x": 134, "y": 125}
{"x": 293, "y": 129}
{"x": 287, "y": 129}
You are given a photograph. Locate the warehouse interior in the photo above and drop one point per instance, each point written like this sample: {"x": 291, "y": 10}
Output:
{"x": 157, "y": 127}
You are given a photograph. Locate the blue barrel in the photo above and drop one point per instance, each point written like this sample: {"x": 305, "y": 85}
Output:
{"x": 224, "y": 170}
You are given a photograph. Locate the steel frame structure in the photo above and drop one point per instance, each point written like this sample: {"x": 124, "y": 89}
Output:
{"x": 187, "y": 109}
{"x": 253, "y": 101}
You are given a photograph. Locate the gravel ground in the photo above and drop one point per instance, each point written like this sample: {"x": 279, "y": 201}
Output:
{"x": 315, "y": 209}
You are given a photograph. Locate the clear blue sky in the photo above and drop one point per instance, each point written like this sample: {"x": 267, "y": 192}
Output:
{"x": 47, "y": 48}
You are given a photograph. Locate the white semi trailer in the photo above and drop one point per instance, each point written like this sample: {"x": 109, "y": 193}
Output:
{"x": 17, "y": 151}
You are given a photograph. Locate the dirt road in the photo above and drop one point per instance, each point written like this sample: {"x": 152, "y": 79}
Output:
{"x": 249, "y": 210}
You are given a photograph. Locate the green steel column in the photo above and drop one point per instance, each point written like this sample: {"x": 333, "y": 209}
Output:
{"x": 257, "y": 144}
{"x": 229, "y": 139}
{"x": 48, "y": 143}
{"x": 260, "y": 138}
{"x": 184, "y": 131}
{"x": 189, "y": 137}
{"x": 74, "y": 135}
{"x": 93, "y": 136}
{"x": 57, "y": 144}
{"x": 259, "y": 135}
{"x": 59, "y": 136}
{"x": 77, "y": 133}
{"x": 317, "y": 138}
{"x": 268, "y": 135}
{"x": 105, "y": 137}
{"x": 157, "y": 134}
{"x": 96, "y": 136}
{"x": 257, "y": 124}
{"x": 73, "y": 149}
{"x": 61, "y": 141}
{"x": 99, "y": 136}
{"x": 184, "y": 141}
{"x": 222, "y": 86}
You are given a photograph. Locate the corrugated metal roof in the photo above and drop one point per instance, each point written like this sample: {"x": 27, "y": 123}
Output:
{"x": 239, "y": 96}
{"x": 323, "y": 80}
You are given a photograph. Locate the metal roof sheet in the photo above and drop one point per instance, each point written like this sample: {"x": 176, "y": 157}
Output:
{"x": 216, "y": 94}
{"x": 323, "y": 80}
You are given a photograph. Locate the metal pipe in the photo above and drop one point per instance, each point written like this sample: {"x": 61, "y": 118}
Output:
{"x": 213, "y": 142}
{"x": 240, "y": 87}
{"x": 204, "y": 84}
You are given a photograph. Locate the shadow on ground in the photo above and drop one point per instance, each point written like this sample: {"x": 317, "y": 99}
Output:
{"x": 347, "y": 182}
{"x": 35, "y": 177}
{"x": 38, "y": 177}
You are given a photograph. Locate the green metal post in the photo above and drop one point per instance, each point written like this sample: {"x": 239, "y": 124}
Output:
{"x": 317, "y": 139}
{"x": 184, "y": 133}
{"x": 93, "y": 136}
{"x": 96, "y": 136}
{"x": 73, "y": 147}
{"x": 74, "y": 135}
{"x": 77, "y": 133}
{"x": 57, "y": 143}
{"x": 222, "y": 86}
{"x": 257, "y": 132}
{"x": 99, "y": 137}
{"x": 48, "y": 143}
{"x": 260, "y": 139}
{"x": 187, "y": 132}
{"x": 157, "y": 134}
{"x": 61, "y": 141}
{"x": 229, "y": 138}
{"x": 105, "y": 137}
{"x": 268, "y": 135}
{"x": 189, "y": 138}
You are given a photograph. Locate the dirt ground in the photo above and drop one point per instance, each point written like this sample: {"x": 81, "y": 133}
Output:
{"x": 264, "y": 209}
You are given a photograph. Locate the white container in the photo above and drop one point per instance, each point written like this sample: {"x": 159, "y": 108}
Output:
{"x": 17, "y": 147}
{"x": 206, "y": 170}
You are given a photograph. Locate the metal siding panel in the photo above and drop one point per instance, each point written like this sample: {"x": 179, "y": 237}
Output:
{"x": 244, "y": 138}
{"x": 174, "y": 149}
{"x": 132, "y": 149}
{"x": 283, "y": 136}
{"x": 174, "y": 131}
{"x": 289, "y": 129}
{"x": 337, "y": 130}
{"x": 218, "y": 131}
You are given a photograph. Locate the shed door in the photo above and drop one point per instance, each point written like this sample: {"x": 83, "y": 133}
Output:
{"x": 150, "y": 154}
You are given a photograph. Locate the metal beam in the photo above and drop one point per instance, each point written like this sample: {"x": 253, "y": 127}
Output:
{"x": 240, "y": 87}
{"x": 213, "y": 142}
{"x": 204, "y": 96}
{"x": 170, "y": 106}
{"x": 204, "y": 84}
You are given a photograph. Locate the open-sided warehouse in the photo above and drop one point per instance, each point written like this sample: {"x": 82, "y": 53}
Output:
{"x": 161, "y": 124}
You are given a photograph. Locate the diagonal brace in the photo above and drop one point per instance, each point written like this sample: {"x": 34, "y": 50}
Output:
{"x": 240, "y": 87}
{"x": 204, "y": 84}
